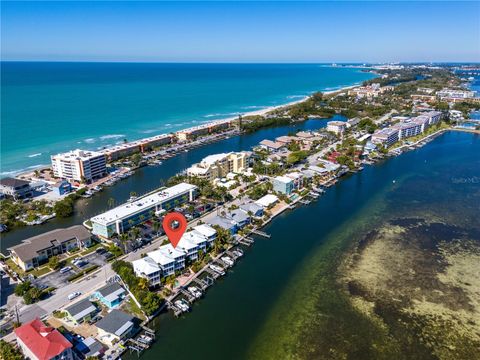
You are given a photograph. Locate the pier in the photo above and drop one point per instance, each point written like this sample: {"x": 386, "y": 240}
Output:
{"x": 261, "y": 233}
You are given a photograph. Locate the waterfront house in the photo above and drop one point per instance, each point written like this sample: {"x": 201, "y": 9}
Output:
{"x": 283, "y": 185}
{"x": 189, "y": 247}
{"x": 267, "y": 201}
{"x": 169, "y": 259}
{"x": 224, "y": 223}
{"x": 62, "y": 187}
{"x": 115, "y": 326}
{"x": 111, "y": 295}
{"x": 81, "y": 311}
{"x": 15, "y": 188}
{"x": 90, "y": 348}
{"x": 40, "y": 342}
{"x": 118, "y": 220}
{"x": 196, "y": 238}
{"x": 36, "y": 250}
{"x": 206, "y": 231}
{"x": 252, "y": 209}
{"x": 272, "y": 146}
{"x": 240, "y": 217}
{"x": 147, "y": 268}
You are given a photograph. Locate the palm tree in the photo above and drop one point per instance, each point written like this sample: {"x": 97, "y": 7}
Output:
{"x": 143, "y": 284}
{"x": 156, "y": 226}
{"x": 123, "y": 240}
{"x": 142, "y": 218}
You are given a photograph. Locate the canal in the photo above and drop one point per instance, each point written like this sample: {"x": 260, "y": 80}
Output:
{"x": 150, "y": 177}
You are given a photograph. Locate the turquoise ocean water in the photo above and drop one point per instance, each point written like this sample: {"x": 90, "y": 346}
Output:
{"x": 47, "y": 107}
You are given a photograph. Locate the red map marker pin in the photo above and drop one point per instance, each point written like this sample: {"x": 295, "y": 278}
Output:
{"x": 174, "y": 231}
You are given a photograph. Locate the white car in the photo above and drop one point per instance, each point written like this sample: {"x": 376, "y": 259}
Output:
{"x": 74, "y": 295}
{"x": 65, "y": 269}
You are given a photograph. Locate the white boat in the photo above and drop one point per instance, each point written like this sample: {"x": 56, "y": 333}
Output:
{"x": 238, "y": 252}
{"x": 194, "y": 291}
{"x": 217, "y": 269}
{"x": 181, "y": 305}
{"x": 145, "y": 339}
{"x": 227, "y": 260}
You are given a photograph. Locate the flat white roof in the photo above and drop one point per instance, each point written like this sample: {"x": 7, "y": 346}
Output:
{"x": 126, "y": 210}
{"x": 77, "y": 155}
{"x": 283, "y": 179}
{"x": 267, "y": 200}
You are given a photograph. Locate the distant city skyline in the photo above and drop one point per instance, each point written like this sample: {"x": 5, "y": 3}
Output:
{"x": 241, "y": 31}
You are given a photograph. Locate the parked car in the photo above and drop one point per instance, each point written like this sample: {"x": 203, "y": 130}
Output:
{"x": 65, "y": 269}
{"x": 101, "y": 251}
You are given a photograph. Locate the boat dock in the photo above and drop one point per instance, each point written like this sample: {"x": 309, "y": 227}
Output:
{"x": 261, "y": 233}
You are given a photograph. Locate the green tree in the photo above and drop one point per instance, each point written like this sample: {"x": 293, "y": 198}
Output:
{"x": 54, "y": 263}
{"x": 22, "y": 288}
{"x": 9, "y": 351}
{"x": 64, "y": 208}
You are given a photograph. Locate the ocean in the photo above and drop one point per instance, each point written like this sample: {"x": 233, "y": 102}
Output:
{"x": 50, "y": 107}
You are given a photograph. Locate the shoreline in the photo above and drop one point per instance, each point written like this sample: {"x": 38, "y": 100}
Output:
{"x": 261, "y": 112}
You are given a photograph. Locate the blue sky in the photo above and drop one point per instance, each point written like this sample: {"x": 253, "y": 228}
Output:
{"x": 241, "y": 31}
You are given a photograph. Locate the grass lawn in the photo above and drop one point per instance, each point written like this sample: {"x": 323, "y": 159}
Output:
{"x": 40, "y": 271}
{"x": 11, "y": 264}
{"x": 132, "y": 307}
{"x": 91, "y": 249}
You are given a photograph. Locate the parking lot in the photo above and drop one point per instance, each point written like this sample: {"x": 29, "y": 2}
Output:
{"x": 58, "y": 279}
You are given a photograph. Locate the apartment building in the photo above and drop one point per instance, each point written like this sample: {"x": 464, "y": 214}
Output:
{"x": 123, "y": 217}
{"x": 337, "y": 127}
{"x": 219, "y": 165}
{"x": 79, "y": 165}
{"x": 35, "y": 251}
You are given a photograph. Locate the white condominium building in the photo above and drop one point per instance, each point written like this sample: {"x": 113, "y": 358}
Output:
{"x": 79, "y": 165}
{"x": 219, "y": 165}
{"x": 455, "y": 94}
{"x": 338, "y": 127}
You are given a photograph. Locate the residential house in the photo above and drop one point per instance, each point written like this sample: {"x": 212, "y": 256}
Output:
{"x": 240, "y": 217}
{"x": 283, "y": 185}
{"x": 36, "y": 250}
{"x": 169, "y": 259}
{"x": 81, "y": 311}
{"x": 267, "y": 201}
{"x": 252, "y": 209}
{"x": 272, "y": 146}
{"x": 62, "y": 187}
{"x": 90, "y": 348}
{"x": 147, "y": 268}
{"x": 111, "y": 295}
{"x": 206, "y": 231}
{"x": 40, "y": 342}
{"x": 224, "y": 223}
{"x": 115, "y": 326}
{"x": 15, "y": 188}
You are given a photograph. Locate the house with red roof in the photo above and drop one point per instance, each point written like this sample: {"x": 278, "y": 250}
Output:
{"x": 40, "y": 342}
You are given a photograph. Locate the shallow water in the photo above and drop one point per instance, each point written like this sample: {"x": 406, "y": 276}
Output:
{"x": 284, "y": 301}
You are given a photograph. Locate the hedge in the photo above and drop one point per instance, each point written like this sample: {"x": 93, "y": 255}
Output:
{"x": 82, "y": 273}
